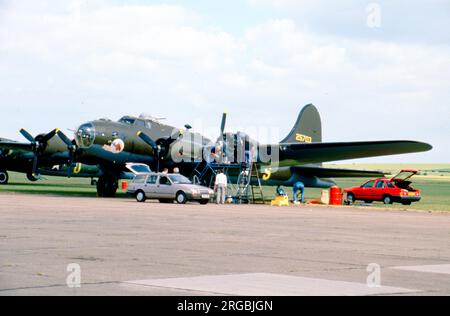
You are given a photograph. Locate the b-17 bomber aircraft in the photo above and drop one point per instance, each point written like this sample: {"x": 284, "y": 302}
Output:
{"x": 112, "y": 146}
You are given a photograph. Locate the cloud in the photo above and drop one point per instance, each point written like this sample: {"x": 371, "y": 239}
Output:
{"x": 65, "y": 62}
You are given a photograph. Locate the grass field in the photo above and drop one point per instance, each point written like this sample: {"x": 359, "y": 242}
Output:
{"x": 434, "y": 182}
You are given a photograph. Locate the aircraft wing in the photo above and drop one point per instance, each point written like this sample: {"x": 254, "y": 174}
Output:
{"x": 322, "y": 172}
{"x": 305, "y": 153}
{"x": 10, "y": 148}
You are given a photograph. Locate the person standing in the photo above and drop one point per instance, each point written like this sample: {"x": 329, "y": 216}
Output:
{"x": 221, "y": 187}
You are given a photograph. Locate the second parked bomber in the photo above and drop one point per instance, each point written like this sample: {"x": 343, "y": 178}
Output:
{"x": 109, "y": 148}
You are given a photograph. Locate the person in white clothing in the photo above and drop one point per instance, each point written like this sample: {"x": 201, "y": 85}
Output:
{"x": 221, "y": 187}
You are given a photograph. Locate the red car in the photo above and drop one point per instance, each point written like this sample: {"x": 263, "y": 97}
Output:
{"x": 398, "y": 189}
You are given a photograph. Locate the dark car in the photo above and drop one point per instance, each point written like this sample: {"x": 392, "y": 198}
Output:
{"x": 398, "y": 189}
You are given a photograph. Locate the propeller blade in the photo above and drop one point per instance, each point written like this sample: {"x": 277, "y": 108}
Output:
{"x": 174, "y": 137}
{"x": 224, "y": 122}
{"x": 65, "y": 139}
{"x": 148, "y": 140}
{"x": 27, "y": 136}
{"x": 49, "y": 136}
{"x": 35, "y": 161}
{"x": 71, "y": 149}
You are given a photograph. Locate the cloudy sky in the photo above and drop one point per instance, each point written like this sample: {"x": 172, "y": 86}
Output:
{"x": 376, "y": 70}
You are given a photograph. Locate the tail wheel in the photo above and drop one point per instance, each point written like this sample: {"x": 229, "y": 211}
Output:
{"x": 387, "y": 200}
{"x": 31, "y": 177}
{"x": 4, "y": 177}
{"x": 140, "y": 197}
{"x": 181, "y": 198}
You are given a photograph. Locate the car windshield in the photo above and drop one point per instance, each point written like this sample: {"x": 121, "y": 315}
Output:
{"x": 179, "y": 179}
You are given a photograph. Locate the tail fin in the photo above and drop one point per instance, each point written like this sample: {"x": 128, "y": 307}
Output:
{"x": 308, "y": 128}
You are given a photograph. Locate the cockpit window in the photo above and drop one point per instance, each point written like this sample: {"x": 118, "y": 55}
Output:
{"x": 140, "y": 123}
{"x": 127, "y": 120}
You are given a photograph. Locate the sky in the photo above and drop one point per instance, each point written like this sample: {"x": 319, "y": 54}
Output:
{"x": 375, "y": 69}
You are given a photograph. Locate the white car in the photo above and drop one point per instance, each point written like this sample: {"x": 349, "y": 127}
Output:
{"x": 168, "y": 188}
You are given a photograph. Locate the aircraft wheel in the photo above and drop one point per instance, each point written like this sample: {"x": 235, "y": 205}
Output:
{"x": 181, "y": 198}
{"x": 387, "y": 200}
{"x": 107, "y": 187}
{"x": 111, "y": 188}
{"x": 100, "y": 187}
{"x": 4, "y": 177}
{"x": 31, "y": 177}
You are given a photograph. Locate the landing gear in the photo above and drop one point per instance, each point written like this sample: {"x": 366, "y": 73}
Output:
{"x": 31, "y": 177}
{"x": 107, "y": 186}
{"x": 4, "y": 177}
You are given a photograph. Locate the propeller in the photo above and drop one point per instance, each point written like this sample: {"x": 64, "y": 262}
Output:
{"x": 38, "y": 144}
{"x": 161, "y": 146}
{"x": 70, "y": 146}
{"x": 156, "y": 148}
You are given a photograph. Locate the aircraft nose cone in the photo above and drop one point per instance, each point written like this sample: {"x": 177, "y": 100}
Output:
{"x": 85, "y": 135}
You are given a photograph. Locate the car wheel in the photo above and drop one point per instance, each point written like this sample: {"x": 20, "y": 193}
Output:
{"x": 387, "y": 200}
{"x": 4, "y": 177}
{"x": 181, "y": 198}
{"x": 350, "y": 199}
{"x": 140, "y": 197}
{"x": 204, "y": 202}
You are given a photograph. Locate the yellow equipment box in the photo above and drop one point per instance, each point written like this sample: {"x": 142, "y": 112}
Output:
{"x": 280, "y": 201}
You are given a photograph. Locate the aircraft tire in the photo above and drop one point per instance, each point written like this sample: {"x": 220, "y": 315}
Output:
{"x": 4, "y": 177}
{"x": 107, "y": 186}
{"x": 31, "y": 177}
{"x": 100, "y": 187}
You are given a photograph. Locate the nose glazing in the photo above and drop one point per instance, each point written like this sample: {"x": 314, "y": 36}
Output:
{"x": 85, "y": 135}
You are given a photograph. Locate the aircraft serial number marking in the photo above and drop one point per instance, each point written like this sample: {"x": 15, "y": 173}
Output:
{"x": 303, "y": 138}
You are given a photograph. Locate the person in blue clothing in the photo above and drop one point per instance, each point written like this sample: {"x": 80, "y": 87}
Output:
{"x": 280, "y": 191}
{"x": 299, "y": 187}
